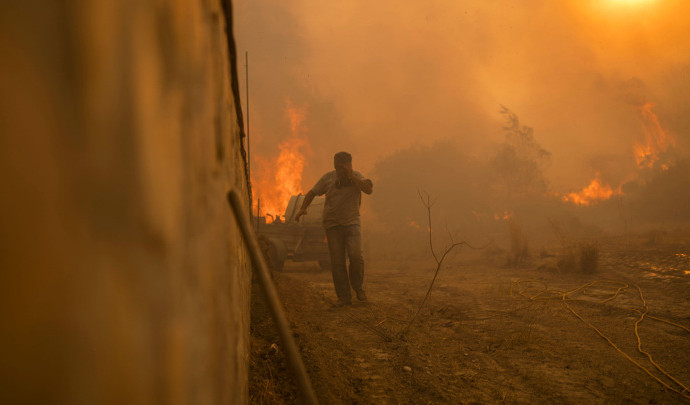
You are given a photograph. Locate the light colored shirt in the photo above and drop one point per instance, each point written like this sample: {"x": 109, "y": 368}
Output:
{"x": 342, "y": 201}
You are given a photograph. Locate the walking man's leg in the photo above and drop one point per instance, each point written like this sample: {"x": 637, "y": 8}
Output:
{"x": 336, "y": 247}
{"x": 353, "y": 243}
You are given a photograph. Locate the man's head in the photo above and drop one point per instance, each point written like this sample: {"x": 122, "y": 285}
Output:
{"x": 343, "y": 163}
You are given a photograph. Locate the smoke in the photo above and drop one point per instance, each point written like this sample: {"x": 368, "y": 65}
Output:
{"x": 414, "y": 89}
{"x": 473, "y": 196}
{"x": 272, "y": 34}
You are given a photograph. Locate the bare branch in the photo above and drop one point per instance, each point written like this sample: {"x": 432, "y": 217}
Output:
{"x": 427, "y": 203}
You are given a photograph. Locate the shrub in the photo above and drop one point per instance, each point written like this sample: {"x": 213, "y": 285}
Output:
{"x": 589, "y": 257}
{"x": 582, "y": 257}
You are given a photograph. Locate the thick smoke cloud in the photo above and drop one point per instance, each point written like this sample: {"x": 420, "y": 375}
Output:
{"x": 396, "y": 82}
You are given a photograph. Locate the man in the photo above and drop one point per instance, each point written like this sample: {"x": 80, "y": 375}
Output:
{"x": 343, "y": 188}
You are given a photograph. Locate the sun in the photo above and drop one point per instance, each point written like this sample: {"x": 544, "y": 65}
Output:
{"x": 624, "y": 7}
{"x": 630, "y": 2}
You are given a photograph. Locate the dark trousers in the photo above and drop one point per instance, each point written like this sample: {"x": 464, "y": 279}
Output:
{"x": 342, "y": 240}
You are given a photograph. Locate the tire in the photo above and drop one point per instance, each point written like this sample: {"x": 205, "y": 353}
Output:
{"x": 325, "y": 265}
{"x": 277, "y": 252}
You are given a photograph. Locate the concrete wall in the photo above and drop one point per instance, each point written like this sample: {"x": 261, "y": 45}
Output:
{"x": 122, "y": 276}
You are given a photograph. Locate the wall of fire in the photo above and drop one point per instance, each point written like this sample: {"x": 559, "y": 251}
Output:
{"x": 122, "y": 276}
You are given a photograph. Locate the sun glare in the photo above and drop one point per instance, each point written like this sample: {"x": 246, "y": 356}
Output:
{"x": 630, "y": 2}
{"x": 624, "y": 8}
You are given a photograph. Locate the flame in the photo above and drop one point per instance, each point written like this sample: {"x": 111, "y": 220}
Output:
{"x": 507, "y": 215}
{"x": 656, "y": 139}
{"x": 414, "y": 225}
{"x": 280, "y": 179}
{"x": 595, "y": 191}
{"x": 648, "y": 155}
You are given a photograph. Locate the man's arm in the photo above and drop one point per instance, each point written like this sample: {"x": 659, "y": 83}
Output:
{"x": 366, "y": 186}
{"x": 308, "y": 198}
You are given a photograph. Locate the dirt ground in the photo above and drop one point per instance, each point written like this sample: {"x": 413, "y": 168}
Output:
{"x": 480, "y": 338}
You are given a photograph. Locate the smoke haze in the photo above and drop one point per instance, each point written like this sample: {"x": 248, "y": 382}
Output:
{"x": 389, "y": 80}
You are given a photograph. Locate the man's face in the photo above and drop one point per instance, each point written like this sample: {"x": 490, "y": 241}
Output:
{"x": 342, "y": 169}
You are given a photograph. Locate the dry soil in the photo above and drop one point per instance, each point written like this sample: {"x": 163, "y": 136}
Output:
{"x": 488, "y": 333}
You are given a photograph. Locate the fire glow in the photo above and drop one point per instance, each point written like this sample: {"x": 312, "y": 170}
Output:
{"x": 505, "y": 216}
{"x": 595, "y": 191}
{"x": 648, "y": 154}
{"x": 656, "y": 141}
{"x": 281, "y": 178}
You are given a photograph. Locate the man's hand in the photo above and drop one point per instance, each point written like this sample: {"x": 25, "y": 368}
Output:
{"x": 364, "y": 185}
{"x": 348, "y": 170}
{"x": 302, "y": 211}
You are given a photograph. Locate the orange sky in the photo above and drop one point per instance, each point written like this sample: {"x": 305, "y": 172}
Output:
{"x": 376, "y": 77}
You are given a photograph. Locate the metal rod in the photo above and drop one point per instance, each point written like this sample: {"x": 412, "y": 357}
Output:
{"x": 261, "y": 270}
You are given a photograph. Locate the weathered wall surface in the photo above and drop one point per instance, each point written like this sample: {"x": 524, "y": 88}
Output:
{"x": 122, "y": 276}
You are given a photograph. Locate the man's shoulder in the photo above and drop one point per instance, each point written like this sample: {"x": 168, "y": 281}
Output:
{"x": 324, "y": 183}
{"x": 329, "y": 175}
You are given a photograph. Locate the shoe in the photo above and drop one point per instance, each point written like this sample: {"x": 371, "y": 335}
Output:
{"x": 341, "y": 302}
{"x": 361, "y": 295}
